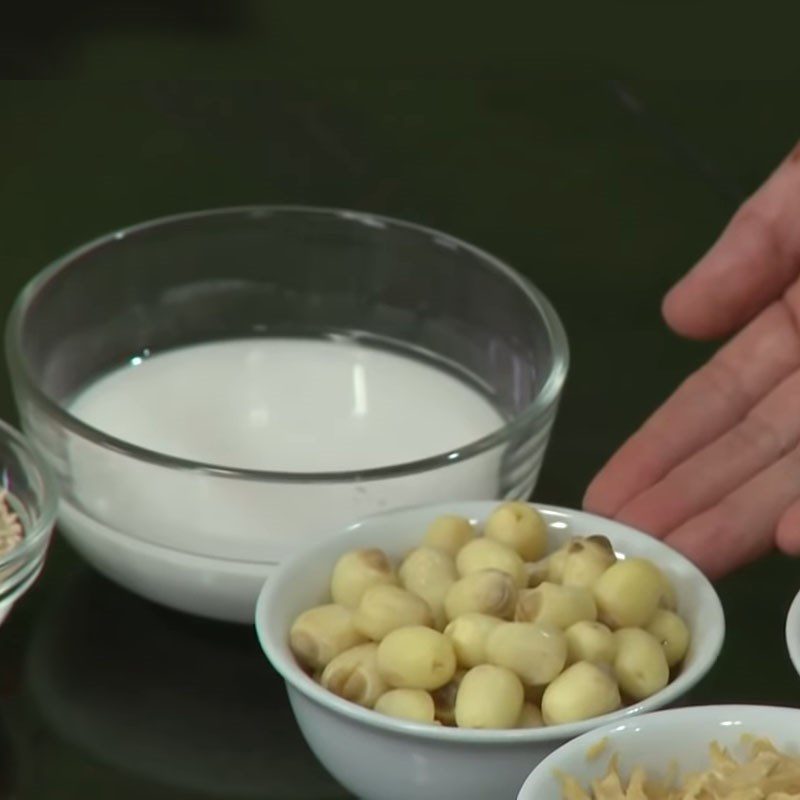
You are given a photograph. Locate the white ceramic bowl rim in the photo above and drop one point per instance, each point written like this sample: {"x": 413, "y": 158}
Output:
{"x": 793, "y": 632}
{"x": 281, "y": 659}
{"x": 540, "y": 404}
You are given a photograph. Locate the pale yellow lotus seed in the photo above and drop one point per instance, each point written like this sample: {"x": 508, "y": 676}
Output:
{"x": 672, "y": 633}
{"x": 535, "y": 653}
{"x": 354, "y": 675}
{"x": 519, "y": 526}
{"x": 537, "y": 572}
{"x": 587, "y": 559}
{"x": 489, "y": 697}
{"x": 582, "y": 691}
{"x": 384, "y": 607}
{"x": 489, "y": 591}
{"x": 416, "y": 657}
{"x": 429, "y": 573}
{"x": 449, "y": 533}
{"x": 469, "y": 633}
{"x": 319, "y": 634}
{"x": 485, "y": 553}
{"x": 356, "y": 571}
{"x": 640, "y": 664}
{"x": 556, "y": 562}
{"x": 552, "y": 604}
{"x": 628, "y": 593}
{"x": 411, "y": 704}
{"x": 669, "y": 597}
{"x": 590, "y": 641}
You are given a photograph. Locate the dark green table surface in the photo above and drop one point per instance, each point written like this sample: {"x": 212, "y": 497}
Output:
{"x": 602, "y": 193}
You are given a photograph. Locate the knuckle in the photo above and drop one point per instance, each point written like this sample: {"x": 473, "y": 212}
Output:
{"x": 720, "y": 380}
{"x": 755, "y": 433}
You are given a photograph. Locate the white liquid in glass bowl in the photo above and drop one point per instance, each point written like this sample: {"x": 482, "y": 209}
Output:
{"x": 266, "y": 404}
{"x": 287, "y": 405}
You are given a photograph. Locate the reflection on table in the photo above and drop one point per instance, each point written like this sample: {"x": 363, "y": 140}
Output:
{"x": 8, "y": 768}
{"x": 185, "y": 705}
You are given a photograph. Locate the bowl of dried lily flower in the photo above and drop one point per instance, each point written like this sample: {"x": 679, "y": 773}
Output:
{"x": 28, "y": 504}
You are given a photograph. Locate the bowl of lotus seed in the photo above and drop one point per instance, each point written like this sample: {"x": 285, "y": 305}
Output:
{"x": 443, "y": 651}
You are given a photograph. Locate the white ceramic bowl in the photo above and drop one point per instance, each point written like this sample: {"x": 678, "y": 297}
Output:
{"x": 654, "y": 740}
{"x": 793, "y": 632}
{"x": 380, "y": 758}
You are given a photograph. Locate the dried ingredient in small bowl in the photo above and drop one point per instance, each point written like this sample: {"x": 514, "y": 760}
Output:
{"x": 11, "y": 532}
{"x": 765, "y": 773}
{"x": 482, "y": 629}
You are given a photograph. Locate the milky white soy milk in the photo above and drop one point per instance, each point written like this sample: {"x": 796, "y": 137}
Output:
{"x": 290, "y": 405}
{"x": 270, "y": 404}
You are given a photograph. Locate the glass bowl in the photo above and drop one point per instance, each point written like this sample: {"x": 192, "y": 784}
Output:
{"x": 31, "y": 495}
{"x": 202, "y": 535}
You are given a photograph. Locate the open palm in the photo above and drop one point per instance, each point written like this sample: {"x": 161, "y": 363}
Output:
{"x": 715, "y": 471}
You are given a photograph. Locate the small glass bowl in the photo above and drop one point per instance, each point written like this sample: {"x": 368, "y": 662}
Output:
{"x": 32, "y": 495}
{"x": 202, "y": 537}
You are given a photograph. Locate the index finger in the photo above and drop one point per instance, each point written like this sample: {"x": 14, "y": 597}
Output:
{"x": 705, "y": 406}
{"x": 753, "y": 261}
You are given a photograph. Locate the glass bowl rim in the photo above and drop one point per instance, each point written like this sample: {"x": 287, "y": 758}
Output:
{"x": 543, "y": 401}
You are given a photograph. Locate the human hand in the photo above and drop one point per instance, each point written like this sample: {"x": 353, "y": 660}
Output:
{"x": 715, "y": 471}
